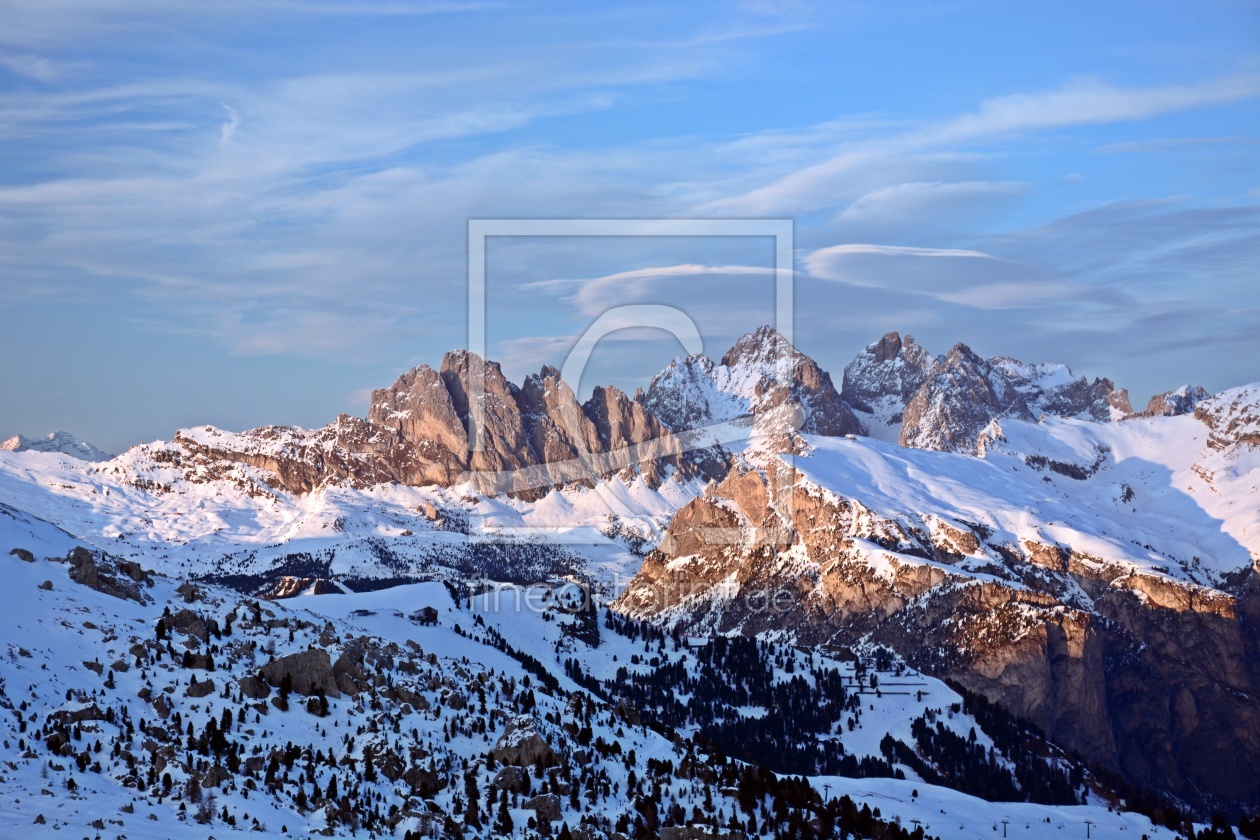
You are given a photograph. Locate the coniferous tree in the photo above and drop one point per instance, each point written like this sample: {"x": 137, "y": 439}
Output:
{"x": 503, "y": 823}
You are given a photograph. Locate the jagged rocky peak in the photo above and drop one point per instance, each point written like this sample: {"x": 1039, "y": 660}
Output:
{"x": 499, "y": 408}
{"x": 951, "y": 408}
{"x": 556, "y": 425}
{"x": 58, "y": 441}
{"x": 761, "y": 349}
{"x": 762, "y": 374}
{"x": 890, "y": 367}
{"x": 630, "y": 433}
{"x": 419, "y": 406}
{"x": 618, "y": 420}
{"x": 1176, "y": 402}
{"x": 883, "y": 378}
{"x": 904, "y": 393}
{"x": 765, "y": 354}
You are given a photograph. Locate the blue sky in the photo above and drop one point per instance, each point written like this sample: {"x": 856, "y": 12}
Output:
{"x": 243, "y": 213}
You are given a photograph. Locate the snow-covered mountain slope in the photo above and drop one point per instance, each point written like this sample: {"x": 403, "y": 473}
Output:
{"x": 422, "y": 711}
{"x": 221, "y": 520}
{"x": 59, "y": 441}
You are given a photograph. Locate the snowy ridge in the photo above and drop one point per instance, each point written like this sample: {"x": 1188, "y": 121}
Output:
{"x": 155, "y": 503}
{"x": 1041, "y": 524}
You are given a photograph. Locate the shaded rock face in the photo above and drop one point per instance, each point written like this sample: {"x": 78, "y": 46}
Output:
{"x": 306, "y": 670}
{"x": 512, "y": 779}
{"x": 423, "y": 781}
{"x": 254, "y": 688}
{"x": 1149, "y": 676}
{"x": 188, "y": 623}
{"x": 1181, "y": 672}
{"x": 201, "y": 688}
{"x": 546, "y": 807}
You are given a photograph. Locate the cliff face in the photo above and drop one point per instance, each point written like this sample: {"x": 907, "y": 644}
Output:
{"x": 1151, "y": 676}
{"x": 417, "y": 433}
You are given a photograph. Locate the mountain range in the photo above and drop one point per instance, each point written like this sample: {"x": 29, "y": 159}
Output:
{"x": 1083, "y": 569}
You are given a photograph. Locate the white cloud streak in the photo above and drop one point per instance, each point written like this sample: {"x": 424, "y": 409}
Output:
{"x": 1085, "y": 102}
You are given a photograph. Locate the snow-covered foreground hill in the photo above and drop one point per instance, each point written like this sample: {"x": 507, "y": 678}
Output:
{"x": 159, "y": 714}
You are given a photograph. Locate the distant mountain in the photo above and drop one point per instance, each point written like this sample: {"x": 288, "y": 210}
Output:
{"x": 943, "y": 402}
{"x": 63, "y": 442}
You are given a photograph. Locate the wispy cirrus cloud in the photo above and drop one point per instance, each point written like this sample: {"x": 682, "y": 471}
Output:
{"x": 1087, "y": 102}
{"x": 290, "y": 180}
{"x": 54, "y": 24}
{"x": 966, "y": 277}
{"x": 952, "y": 143}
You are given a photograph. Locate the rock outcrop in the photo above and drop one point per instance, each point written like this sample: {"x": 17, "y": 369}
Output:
{"x": 1175, "y": 403}
{"x": 546, "y": 807}
{"x": 521, "y": 745}
{"x": 304, "y": 672}
{"x": 1233, "y": 416}
{"x": 288, "y": 586}
{"x": 111, "y": 575}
